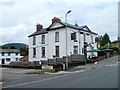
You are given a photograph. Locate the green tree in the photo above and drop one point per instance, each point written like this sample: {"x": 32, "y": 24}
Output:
{"x": 105, "y": 39}
{"x": 24, "y": 51}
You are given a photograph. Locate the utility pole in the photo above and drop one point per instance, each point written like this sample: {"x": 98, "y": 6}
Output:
{"x": 66, "y": 40}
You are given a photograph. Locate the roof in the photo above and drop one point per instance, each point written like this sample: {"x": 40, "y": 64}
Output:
{"x": 116, "y": 41}
{"x": 10, "y": 50}
{"x": 25, "y": 58}
{"x": 43, "y": 31}
{"x": 72, "y": 26}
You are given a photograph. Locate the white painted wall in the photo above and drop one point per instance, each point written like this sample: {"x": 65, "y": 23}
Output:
{"x": 12, "y": 57}
{"x": 50, "y": 43}
{"x": 38, "y": 47}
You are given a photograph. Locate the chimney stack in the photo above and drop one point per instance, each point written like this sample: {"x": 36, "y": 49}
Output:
{"x": 76, "y": 24}
{"x": 55, "y": 19}
{"x": 39, "y": 27}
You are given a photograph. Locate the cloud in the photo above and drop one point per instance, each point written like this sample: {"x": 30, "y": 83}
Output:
{"x": 19, "y": 18}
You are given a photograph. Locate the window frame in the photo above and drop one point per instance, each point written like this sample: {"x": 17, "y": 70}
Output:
{"x": 84, "y": 37}
{"x": 34, "y": 52}
{"x": 57, "y": 36}
{"x": 16, "y": 59}
{"x": 57, "y": 51}
{"x": 8, "y": 59}
{"x": 92, "y": 39}
{"x": 16, "y": 54}
{"x": 43, "y": 39}
{"x": 9, "y": 53}
{"x": 73, "y": 36}
{"x": 3, "y": 54}
{"x": 43, "y": 52}
{"x": 75, "y": 50}
{"x": 34, "y": 40}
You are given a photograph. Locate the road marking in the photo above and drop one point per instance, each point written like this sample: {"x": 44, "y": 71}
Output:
{"x": 111, "y": 65}
{"x": 69, "y": 73}
{"x": 35, "y": 81}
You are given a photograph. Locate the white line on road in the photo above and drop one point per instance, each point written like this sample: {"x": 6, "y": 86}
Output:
{"x": 35, "y": 81}
{"x": 69, "y": 73}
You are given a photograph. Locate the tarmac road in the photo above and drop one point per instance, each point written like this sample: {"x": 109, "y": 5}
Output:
{"x": 104, "y": 74}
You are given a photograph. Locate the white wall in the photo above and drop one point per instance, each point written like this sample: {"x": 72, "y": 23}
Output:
{"x": 38, "y": 47}
{"x": 50, "y": 43}
{"x": 12, "y": 57}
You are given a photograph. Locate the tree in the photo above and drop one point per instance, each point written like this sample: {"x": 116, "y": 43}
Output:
{"x": 24, "y": 51}
{"x": 105, "y": 39}
{"x": 13, "y": 47}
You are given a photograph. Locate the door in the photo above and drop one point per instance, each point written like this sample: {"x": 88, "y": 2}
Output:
{"x": 3, "y": 61}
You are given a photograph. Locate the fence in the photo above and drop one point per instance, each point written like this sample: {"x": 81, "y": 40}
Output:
{"x": 72, "y": 58}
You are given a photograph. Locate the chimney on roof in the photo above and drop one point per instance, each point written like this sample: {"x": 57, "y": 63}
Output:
{"x": 39, "y": 27}
{"x": 55, "y": 19}
{"x": 76, "y": 24}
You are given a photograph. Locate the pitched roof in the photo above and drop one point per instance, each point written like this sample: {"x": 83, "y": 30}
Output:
{"x": 9, "y": 50}
{"x": 43, "y": 31}
{"x": 116, "y": 41}
{"x": 72, "y": 26}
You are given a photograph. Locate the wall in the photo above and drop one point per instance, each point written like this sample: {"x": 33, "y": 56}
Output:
{"x": 50, "y": 43}
{"x": 38, "y": 47}
{"x": 12, "y": 57}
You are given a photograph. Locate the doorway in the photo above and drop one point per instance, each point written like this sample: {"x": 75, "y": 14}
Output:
{"x": 3, "y": 61}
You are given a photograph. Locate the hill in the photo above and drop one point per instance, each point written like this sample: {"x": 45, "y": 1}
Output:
{"x": 14, "y": 45}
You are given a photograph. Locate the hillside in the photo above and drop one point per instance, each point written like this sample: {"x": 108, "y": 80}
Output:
{"x": 16, "y": 45}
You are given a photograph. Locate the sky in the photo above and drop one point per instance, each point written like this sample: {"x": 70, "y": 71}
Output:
{"x": 18, "y": 18}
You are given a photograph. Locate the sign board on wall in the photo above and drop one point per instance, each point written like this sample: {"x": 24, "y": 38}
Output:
{"x": 47, "y": 67}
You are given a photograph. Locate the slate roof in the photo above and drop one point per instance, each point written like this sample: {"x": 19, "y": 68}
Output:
{"x": 9, "y": 50}
{"x": 116, "y": 41}
{"x": 72, "y": 26}
{"x": 45, "y": 30}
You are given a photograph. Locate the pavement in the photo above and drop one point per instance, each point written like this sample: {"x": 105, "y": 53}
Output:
{"x": 82, "y": 68}
{"x": 74, "y": 69}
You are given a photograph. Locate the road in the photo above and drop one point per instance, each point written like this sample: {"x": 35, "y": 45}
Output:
{"x": 104, "y": 74}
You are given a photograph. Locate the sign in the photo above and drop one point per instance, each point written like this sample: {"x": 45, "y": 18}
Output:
{"x": 47, "y": 67}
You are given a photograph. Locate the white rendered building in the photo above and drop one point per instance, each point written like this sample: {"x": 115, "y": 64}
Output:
{"x": 48, "y": 43}
{"x": 9, "y": 55}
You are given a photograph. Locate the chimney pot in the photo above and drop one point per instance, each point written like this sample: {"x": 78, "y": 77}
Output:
{"x": 39, "y": 27}
{"x": 55, "y": 19}
{"x": 76, "y": 24}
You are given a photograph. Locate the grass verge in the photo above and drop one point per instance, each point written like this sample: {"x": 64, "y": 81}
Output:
{"x": 42, "y": 72}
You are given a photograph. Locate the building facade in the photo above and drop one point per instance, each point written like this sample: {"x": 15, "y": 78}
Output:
{"x": 116, "y": 43}
{"x": 49, "y": 43}
{"x": 9, "y": 55}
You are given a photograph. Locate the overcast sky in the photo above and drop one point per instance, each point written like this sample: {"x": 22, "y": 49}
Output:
{"x": 18, "y": 18}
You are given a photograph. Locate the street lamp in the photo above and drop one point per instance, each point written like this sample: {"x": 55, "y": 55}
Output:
{"x": 66, "y": 40}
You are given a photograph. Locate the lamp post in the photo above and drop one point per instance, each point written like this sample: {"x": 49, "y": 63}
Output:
{"x": 66, "y": 39}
